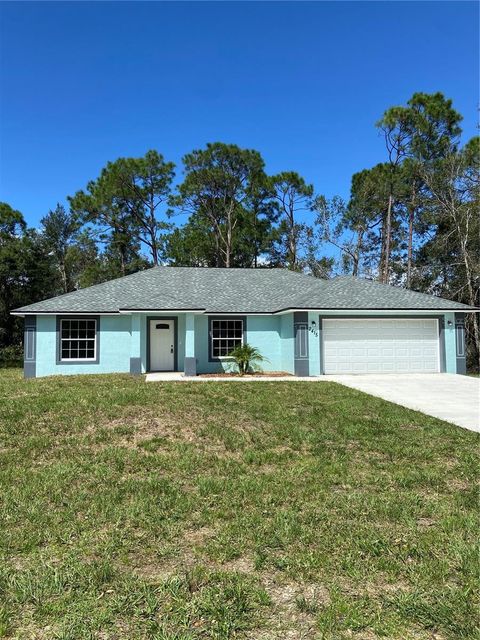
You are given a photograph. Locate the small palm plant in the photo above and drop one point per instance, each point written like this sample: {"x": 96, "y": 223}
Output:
{"x": 247, "y": 358}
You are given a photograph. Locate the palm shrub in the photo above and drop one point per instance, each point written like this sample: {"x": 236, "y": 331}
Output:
{"x": 247, "y": 358}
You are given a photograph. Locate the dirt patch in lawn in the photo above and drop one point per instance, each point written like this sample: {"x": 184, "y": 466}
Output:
{"x": 156, "y": 431}
{"x": 197, "y": 537}
{"x": 294, "y": 607}
{"x": 145, "y": 425}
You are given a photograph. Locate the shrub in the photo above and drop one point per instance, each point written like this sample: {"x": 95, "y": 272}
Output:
{"x": 11, "y": 355}
{"x": 247, "y": 358}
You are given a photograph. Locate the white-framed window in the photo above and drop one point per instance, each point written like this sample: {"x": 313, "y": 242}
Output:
{"x": 225, "y": 335}
{"x": 78, "y": 339}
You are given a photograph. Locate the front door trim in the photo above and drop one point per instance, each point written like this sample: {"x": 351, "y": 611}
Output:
{"x": 175, "y": 339}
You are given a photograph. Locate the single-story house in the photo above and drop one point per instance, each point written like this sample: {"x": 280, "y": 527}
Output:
{"x": 189, "y": 319}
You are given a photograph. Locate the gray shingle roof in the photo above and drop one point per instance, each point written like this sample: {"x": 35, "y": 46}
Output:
{"x": 236, "y": 291}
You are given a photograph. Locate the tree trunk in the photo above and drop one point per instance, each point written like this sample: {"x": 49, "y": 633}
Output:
{"x": 63, "y": 273}
{"x": 217, "y": 249}
{"x": 255, "y": 240}
{"x": 463, "y": 240}
{"x": 228, "y": 237}
{"x": 228, "y": 246}
{"x": 152, "y": 232}
{"x": 411, "y": 218}
{"x": 471, "y": 296}
{"x": 410, "y": 248}
{"x": 383, "y": 234}
{"x": 292, "y": 242}
{"x": 356, "y": 254}
{"x": 388, "y": 236}
{"x": 123, "y": 268}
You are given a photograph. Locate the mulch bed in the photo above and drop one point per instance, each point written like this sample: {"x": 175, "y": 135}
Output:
{"x": 258, "y": 374}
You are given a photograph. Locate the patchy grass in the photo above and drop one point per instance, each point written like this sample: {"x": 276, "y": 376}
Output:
{"x": 212, "y": 511}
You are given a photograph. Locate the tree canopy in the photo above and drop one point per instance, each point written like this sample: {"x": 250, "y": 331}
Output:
{"x": 411, "y": 219}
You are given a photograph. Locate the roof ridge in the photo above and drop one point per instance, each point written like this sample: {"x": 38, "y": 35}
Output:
{"x": 261, "y": 268}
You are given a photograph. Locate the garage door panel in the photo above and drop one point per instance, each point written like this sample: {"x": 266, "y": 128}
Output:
{"x": 387, "y": 367}
{"x": 359, "y": 352}
{"x": 380, "y": 345}
{"x": 359, "y": 367}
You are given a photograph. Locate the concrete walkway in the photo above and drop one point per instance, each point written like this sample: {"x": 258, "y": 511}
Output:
{"x": 453, "y": 398}
{"x": 177, "y": 376}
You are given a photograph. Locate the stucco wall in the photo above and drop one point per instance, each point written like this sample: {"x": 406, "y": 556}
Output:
{"x": 124, "y": 337}
{"x": 114, "y": 354}
{"x": 262, "y": 332}
{"x": 450, "y": 344}
{"x": 287, "y": 342}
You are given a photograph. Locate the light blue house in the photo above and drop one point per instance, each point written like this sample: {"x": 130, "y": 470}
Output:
{"x": 189, "y": 319}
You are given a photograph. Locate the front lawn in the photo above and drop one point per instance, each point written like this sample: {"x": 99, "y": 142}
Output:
{"x": 267, "y": 510}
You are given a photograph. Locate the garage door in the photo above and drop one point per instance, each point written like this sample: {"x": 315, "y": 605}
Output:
{"x": 381, "y": 345}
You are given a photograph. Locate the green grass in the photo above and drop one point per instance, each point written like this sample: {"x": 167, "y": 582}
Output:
{"x": 198, "y": 511}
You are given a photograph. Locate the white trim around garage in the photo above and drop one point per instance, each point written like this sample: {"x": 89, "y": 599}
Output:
{"x": 381, "y": 345}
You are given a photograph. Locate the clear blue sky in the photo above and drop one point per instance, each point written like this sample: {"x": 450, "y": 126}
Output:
{"x": 304, "y": 83}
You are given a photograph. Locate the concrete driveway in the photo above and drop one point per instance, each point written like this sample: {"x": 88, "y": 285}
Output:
{"x": 453, "y": 398}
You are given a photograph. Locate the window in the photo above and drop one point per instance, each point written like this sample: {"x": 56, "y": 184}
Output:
{"x": 225, "y": 336}
{"x": 78, "y": 339}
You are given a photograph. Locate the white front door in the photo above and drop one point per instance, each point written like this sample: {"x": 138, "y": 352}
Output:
{"x": 162, "y": 345}
{"x": 381, "y": 345}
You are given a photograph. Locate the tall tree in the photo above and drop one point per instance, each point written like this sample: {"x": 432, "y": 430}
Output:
{"x": 143, "y": 186}
{"x": 453, "y": 183}
{"x": 313, "y": 261}
{"x": 26, "y": 271}
{"x": 292, "y": 195}
{"x": 395, "y": 128}
{"x": 84, "y": 263}
{"x": 421, "y": 132}
{"x": 345, "y": 226}
{"x": 125, "y": 204}
{"x": 193, "y": 244}
{"x": 217, "y": 185}
{"x": 261, "y": 213}
{"x": 12, "y": 230}
{"x": 372, "y": 216}
{"x": 59, "y": 229}
{"x": 107, "y": 221}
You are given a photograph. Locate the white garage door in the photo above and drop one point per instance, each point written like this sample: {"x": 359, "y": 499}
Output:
{"x": 380, "y": 345}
